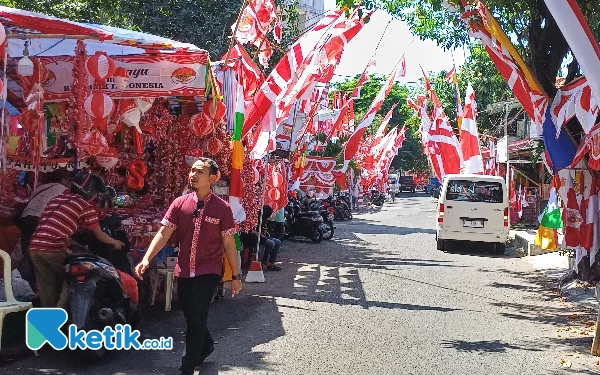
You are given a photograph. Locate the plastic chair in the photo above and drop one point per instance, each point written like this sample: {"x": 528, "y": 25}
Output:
{"x": 168, "y": 275}
{"x": 11, "y": 305}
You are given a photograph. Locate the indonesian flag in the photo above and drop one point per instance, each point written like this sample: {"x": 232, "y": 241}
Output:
{"x": 571, "y": 214}
{"x": 589, "y": 211}
{"x": 257, "y": 19}
{"x": 249, "y": 74}
{"x": 469, "y": 136}
{"x": 351, "y": 146}
{"x": 384, "y": 123}
{"x": 265, "y": 135}
{"x": 402, "y": 71}
{"x": 575, "y": 100}
{"x": 287, "y": 71}
{"x": 302, "y": 65}
{"x": 578, "y": 34}
{"x": 447, "y": 148}
{"x": 364, "y": 78}
{"x": 451, "y": 76}
{"x": 340, "y": 120}
{"x": 236, "y": 191}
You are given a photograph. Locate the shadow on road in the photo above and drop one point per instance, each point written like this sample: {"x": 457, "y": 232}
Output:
{"x": 493, "y": 346}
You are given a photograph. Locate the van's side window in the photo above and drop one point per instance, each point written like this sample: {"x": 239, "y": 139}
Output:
{"x": 474, "y": 191}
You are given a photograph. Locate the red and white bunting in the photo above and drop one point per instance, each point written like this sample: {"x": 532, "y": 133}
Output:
{"x": 351, "y": 146}
{"x": 249, "y": 75}
{"x": 575, "y": 100}
{"x": 364, "y": 78}
{"x": 469, "y": 136}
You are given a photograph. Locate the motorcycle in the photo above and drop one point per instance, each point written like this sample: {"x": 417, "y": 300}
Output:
{"x": 101, "y": 294}
{"x": 327, "y": 211}
{"x": 306, "y": 224}
{"x": 343, "y": 206}
{"x": 377, "y": 198}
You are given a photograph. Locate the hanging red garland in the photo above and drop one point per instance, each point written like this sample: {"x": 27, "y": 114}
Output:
{"x": 251, "y": 198}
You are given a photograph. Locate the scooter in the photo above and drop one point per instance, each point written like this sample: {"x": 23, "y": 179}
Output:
{"x": 342, "y": 207}
{"x": 100, "y": 295}
{"x": 306, "y": 224}
{"x": 377, "y": 198}
{"x": 327, "y": 211}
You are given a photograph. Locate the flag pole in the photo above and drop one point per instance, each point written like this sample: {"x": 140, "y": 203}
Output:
{"x": 262, "y": 199}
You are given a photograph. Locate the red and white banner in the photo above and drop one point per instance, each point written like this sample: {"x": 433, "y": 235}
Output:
{"x": 318, "y": 175}
{"x": 149, "y": 76}
{"x": 351, "y": 146}
{"x": 575, "y": 100}
{"x": 578, "y": 34}
{"x": 469, "y": 136}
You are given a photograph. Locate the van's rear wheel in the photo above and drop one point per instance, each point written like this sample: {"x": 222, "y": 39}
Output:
{"x": 499, "y": 248}
{"x": 440, "y": 245}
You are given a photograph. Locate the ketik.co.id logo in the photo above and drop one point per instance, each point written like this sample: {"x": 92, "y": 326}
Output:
{"x": 44, "y": 326}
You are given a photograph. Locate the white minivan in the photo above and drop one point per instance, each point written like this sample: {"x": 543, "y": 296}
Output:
{"x": 473, "y": 208}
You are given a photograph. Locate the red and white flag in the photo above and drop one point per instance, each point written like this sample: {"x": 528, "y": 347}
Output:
{"x": 351, "y": 146}
{"x": 572, "y": 217}
{"x": 364, "y": 78}
{"x": 469, "y": 136}
{"x": 450, "y": 75}
{"x": 575, "y": 100}
{"x": 249, "y": 75}
{"x": 381, "y": 130}
{"x": 402, "y": 70}
{"x": 302, "y": 65}
{"x": 265, "y": 135}
{"x": 575, "y": 29}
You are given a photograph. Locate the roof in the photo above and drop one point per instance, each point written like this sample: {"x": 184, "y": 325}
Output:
{"x": 57, "y": 37}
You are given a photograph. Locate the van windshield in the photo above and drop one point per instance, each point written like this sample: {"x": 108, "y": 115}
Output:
{"x": 474, "y": 191}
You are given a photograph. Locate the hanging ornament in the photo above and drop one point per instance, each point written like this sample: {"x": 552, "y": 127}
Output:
{"x": 130, "y": 114}
{"x": 256, "y": 176}
{"x": 144, "y": 104}
{"x": 214, "y": 146}
{"x": 273, "y": 194}
{"x": 108, "y": 159}
{"x": 201, "y": 124}
{"x": 276, "y": 178}
{"x": 29, "y": 120}
{"x": 121, "y": 77}
{"x": 99, "y": 106}
{"x": 112, "y": 129}
{"x": 192, "y": 155}
{"x": 138, "y": 143}
{"x": 215, "y": 111}
{"x": 100, "y": 67}
{"x": 137, "y": 171}
{"x": 94, "y": 143}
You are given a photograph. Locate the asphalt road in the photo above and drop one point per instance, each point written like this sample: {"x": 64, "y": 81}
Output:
{"x": 378, "y": 299}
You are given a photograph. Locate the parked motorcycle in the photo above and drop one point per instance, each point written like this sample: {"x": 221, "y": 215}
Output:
{"x": 100, "y": 293}
{"x": 377, "y": 198}
{"x": 343, "y": 207}
{"x": 306, "y": 224}
{"x": 327, "y": 211}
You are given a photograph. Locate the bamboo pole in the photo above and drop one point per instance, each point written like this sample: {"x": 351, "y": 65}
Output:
{"x": 93, "y": 36}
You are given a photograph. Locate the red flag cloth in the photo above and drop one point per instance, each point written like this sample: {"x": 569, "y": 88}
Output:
{"x": 340, "y": 178}
{"x": 469, "y": 136}
{"x": 351, "y": 146}
{"x": 250, "y": 76}
{"x": 364, "y": 78}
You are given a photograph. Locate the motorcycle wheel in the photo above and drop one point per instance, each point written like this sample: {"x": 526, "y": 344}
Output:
{"x": 329, "y": 233}
{"x": 348, "y": 214}
{"x": 317, "y": 236}
{"x": 91, "y": 324}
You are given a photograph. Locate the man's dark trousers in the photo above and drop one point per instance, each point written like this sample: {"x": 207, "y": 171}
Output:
{"x": 195, "y": 295}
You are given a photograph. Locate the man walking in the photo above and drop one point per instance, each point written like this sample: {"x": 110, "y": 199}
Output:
{"x": 205, "y": 227}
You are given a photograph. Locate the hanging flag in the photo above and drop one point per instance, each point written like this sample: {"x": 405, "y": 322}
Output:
{"x": 236, "y": 191}
{"x": 381, "y": 130}
{"x": 302, "y": 65}
{"x": 550, "y": 222}
{"x": 402, "y": 70}
{"x": 341, "y": 118}
{"x": 450, "y": 77}
{"x": 575, "y": 100}
{"x": 249, "y": 75}
{"x": 265, "y": 135}
{"x": 351, "y": 146}
{"x": 258, "y": 18}
{"x": 469, "y": 136}
{"x": 577, "y": 32}
{"x": 571, "y": 214}
{"x": 364, "y": 78}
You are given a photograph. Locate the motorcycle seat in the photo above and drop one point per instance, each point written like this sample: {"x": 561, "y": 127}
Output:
{"x": 308, "y": 214}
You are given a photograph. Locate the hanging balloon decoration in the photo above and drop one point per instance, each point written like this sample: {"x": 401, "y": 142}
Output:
{"x": 276, "y": 178}
{"x": 99, "y": 106}
{"x": 138, "y": 143}
{"x": 137, "y": 171}
{"x": 100, "y": 67}
{"x": 215, "y": 111}
{"x": 108, "y": 159}
{"x": 121, "y": 77}
{"x": 214, "y": 146}
{"x": 273, "y": 194}
{"x": 201, "y": 124}
{"x": 94, "y": 143}
{"x": 130, "y": 114}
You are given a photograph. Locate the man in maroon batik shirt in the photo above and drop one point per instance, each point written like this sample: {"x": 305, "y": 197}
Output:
{"x": 204, "y": 225}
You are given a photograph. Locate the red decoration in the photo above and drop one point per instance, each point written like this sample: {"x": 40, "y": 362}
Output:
{"x": 130, "y": 114}
{"x": 138, "y": 143}
{"x": 108, "y": 159}
{"x": 112, "y": 129}
{"x": 137, "y": 171}
{"x": 273, "y": 194}
{"x": 76, "y": 116}
{"x": 121, "y": 77}
{"x": 214, "y": 146}
{"x": 201, "y": 124}
{"x": 276, "y": 178}
{"x": 30, "y": 121}
{"x": 192, "y": 156}
{"x": 144, "y": 104}
{"x": 214, "y": 111}
{"x": 100, "y": 67}
{"x": 99, "y": 106}
{"x": 94, "y": 143}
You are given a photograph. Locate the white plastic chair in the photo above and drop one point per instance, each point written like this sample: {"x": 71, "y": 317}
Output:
{"x": 168, "y": 275}
{"x": 11, "y": 305}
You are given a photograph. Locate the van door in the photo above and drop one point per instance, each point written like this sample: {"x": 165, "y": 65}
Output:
{"x": 474, "y": 206}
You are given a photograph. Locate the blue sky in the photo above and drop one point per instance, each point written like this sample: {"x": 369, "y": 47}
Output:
{"x": 397, "y": 39}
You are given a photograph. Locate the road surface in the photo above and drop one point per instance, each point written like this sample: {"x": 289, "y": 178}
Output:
{"x": 378, "y": 299}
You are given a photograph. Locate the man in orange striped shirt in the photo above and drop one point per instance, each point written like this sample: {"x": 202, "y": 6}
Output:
{"x": 64, "y": 215}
